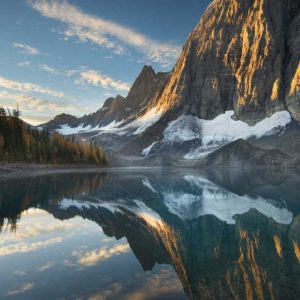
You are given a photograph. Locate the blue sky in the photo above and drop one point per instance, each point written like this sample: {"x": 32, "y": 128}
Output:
{"x": 69, "y": 56}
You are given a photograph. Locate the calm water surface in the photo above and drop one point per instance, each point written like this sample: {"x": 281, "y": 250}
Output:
{"x": 160, "y": 234}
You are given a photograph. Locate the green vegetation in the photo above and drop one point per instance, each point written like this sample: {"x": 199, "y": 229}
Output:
{"x": 20, "y": 142}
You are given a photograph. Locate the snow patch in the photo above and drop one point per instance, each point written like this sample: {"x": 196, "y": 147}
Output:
{"x": 135, "y": 127}
{"x": 68, "y": 130}
{"x": 185, "y": 206}
{"x": 147, "y": 214}
{"x": 224, "y": 128}
{"x": 81, "y": 205}
{"x": 147, "y": 184}
{"x": 147, "y": 150}
{"x": 219, "y": 131}
{"x": 138, "y": 208}
{"x": 111, "y": 126}
{"x": 185, "y": 128}
{"x": 142, "y": 123}
{"x": 213, "y": 200}
{"x": 201, "y": 152}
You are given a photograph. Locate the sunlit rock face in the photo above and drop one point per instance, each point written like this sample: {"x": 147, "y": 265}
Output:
{"x": 243, "y": 55}
{"x": 116, "y": 110}
{"x": 292, "y": 71}
{"x": 147, "y": 85}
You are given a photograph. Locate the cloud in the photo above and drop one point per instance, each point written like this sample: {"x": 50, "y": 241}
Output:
{"x": 27, "y": 247}
{"x": 24, "y": 63}
{"x": 21, "y": 289}
{"x": 37, "y": 229}
{"x": 28, "y": 87}
{"x": 153, "y": 288}
{"x": 30, "y": 103}
{"x": 27, "y": 49}
{"x": 19, "y": 273}
{"x": 88, "y": 28}
{"x": 86, "y": 76}
{"x": 45, "y": 267}
{"x": 109, "y": 293}
{"x": 95, "y": 78}
{"x": 149, "y": 287}
{"x": 49, "y": 69}
{"x": 36, "y": 110}
{"x": 91, "y": 258}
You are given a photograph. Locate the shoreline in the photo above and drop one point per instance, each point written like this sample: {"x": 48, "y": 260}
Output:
{"x": 23, "y": 170}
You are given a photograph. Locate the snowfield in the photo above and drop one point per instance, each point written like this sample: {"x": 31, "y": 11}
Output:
{"x": 68, "y": 130}
{"x": 223, "y": 204}
{"x": 137, "y": 207}
{"x": 221, "y": 129}
{"x": 217, "y": 132}
{"x": 147, "y": 150}
{"x": 199, "y": 197}
{"x": 135, "y": 127}
{"x": 211, "y": 133}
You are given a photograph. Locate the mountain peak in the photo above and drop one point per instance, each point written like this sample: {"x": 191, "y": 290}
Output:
{"x": 61, "y": 119}
{"x": 148, "y": 69}
{"x": 236, "y": 58}
{"x": 145, "y": 78}
{"x": 64, "y": 118}
{"x": 110, "y": 101}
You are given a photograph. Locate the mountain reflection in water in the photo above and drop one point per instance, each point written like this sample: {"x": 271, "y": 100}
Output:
{"x": 167, "y": 234}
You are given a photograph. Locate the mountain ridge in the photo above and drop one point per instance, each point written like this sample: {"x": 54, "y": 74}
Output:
{"x": 235, "y": 59}
{"x": 240, "y": 66}
{"x": 119, "y": 108}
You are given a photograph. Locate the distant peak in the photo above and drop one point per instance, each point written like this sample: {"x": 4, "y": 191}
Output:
{"x": 63, "y": 116}
{"x": 148, "y": 69}
{"x": 119, "y": 97}
{"x": 109, "y": 102}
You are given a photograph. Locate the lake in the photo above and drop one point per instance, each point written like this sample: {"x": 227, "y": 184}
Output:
{"x": 151, "y": 234}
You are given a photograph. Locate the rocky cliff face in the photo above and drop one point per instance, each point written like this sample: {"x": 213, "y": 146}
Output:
{"x": 242, "y": 55}
{"x": 241, "y": 154}
{"x": 238, "y": 77}
{"x": 292, "y": 71}
{"x": 60, "y": 120}
{"x": 148, "y": 85}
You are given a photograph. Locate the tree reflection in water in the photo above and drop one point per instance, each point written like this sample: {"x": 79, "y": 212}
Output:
{"x": 227, "y": 235}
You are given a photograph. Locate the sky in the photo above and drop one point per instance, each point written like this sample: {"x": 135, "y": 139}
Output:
{"x": 69, "y": 56}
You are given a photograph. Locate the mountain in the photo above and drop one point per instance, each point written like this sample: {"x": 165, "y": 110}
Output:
{"x": 243, "y": 55}
{"x": 238, "y": 77}
{"x": 119, "y": 109}
{"x": 61, "y": 119}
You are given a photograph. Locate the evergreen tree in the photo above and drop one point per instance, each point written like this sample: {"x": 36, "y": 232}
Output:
{"x": 23, "y": 143}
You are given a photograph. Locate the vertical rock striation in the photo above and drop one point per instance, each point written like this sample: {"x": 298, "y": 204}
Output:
{"x": 243, "y": 55}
